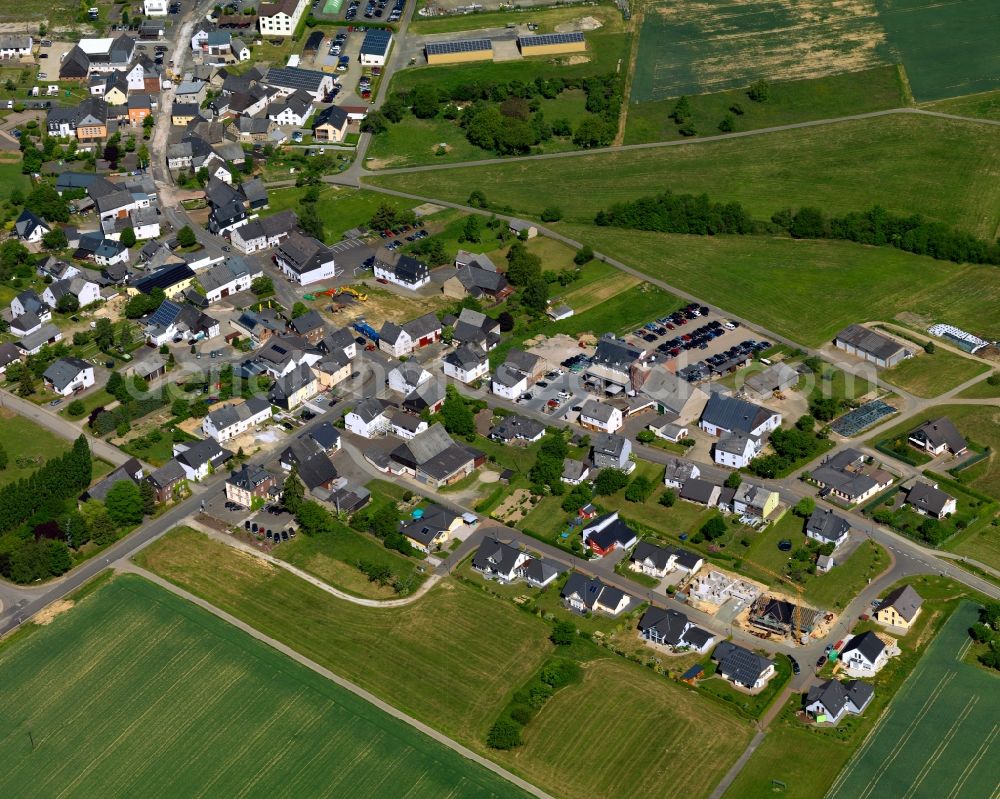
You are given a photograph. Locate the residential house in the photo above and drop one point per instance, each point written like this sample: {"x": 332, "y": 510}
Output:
{"x": 514, "y": 428}
{"x": 754, "y": 500}
{"x": 309, "y": 326}
{"x": 539, "y": 573}
{"x": 512, "y": 378}
{"x": 304, "y": 260}
{"x": 255, "y": 195}
{"x": 588, "y": 594}
{"x": 741, "y": 666}
{"x": 250, "y": 485}
{"x": 33, "y": 342}
{"x": 288, "y": 80}
{"x": 900, "y": 608}
{"x": 259, "y": 326}
{"x": 405, "y": 425}
{"x": 28, "y": 301}
{"x": 178, "y": 321}
{"x": 432, "y": 457}
{"x": 612, "y": 365}
{"x": 424, "y": 330}
{"x": 394, "y": 340}
{"x": 431, "y": 529}
{"x": 827, "y": 527}
{"x": 404, "y": 271}
{"x": 264, "y": 233}
{"x": 656, "y": 561}
{"x": 240, "y": 50}
{"x": 701, "y": 492}
{"x": 294, "y": 109}
{"x": 937, "y": 436}
{"x": 778, "y": 615}
{"x": 610, "y": 451}
{"x": 280, "y": 18}
{"x": 677, "y": 472}
{"x": 312, "y": 463}
{"x": 736, "y": 449}
{"x": 428, "y": 397}
{"x": 830, "y": 701}
{"x": 200, "y": 458}
{"x": 292, "y": 389}
{"x": 523, "y": 229}
{"x": 929, "y": 500}
{"x": 498, "y": 561}
{"x": 234, "y": 274}
{"x": 574, "y": 472}
{"x": 671, "y": 628}
{"x": 871, "y": 346}
{"x": 466, "y": 364}
{"x": 330, "y": 125}
{"x": 15, "y": 45}
{"x": 8, "y": 355}
{"x": 131, "y": 470}
{"x": 406, "y": 377}
{"x": 167, "y": 480}
{"x": 724, "y": 414}
{"x": 595, "y": 415}
{"x": 848, "y": 476}
{"x": 30, "y": 228}
{"x": 339, "y": 342}
{"x": 367, "y": 419}
{"x": 607, "y": 533}
{"x": 476, "y": 329}
{"x": 864, "y": 654}
{"x": 183, "y": 114}
{"x": 85, "y": 291}
{"x": 145, "y": 223}
{"x": 234, "y": 419}
{"x": 173, "y": 279}
{"x": 473, "y": 279}
{"x": 69, "y": 375}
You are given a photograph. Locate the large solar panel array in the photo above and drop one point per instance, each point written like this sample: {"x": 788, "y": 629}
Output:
{"x": 464, "y": 46}
{"x": 544, "y": 39}
{"x": 376, "y": 41}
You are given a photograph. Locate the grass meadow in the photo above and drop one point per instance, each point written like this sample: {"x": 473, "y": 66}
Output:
{"x": 137, "y": 692}
{"x": 27, "y": 442}
{"x": 943, "y": 169}
{"x": 452, "y": 660}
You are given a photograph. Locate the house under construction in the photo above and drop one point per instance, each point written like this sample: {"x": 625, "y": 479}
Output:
{"x": 779, "y": 616}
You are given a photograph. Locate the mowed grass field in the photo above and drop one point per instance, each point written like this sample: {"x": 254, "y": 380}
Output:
{"x": 136, "y": 692}
{"x": 339, "y": 208}
{"x": 22, "y": 438}
{"x": 984, "y": 105}
{"x": 689, "y": 47}
{"x": 940, "y": 736}
{"x": 789, "y": 102}
{"x": 452, "y": 660}
{"x": 678, "y": 718}
{"x": 807, "y": 290}
{"x": 946, "y": 170}
{"x": 923, "y": 34}
{"x": 930, "y": 375}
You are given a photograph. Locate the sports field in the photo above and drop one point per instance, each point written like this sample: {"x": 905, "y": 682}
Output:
{"x": 948, "y": 49}
{"x": 945, "y": 170}
{"x": 136, "y": 692}
{"x": 939, "y": 737}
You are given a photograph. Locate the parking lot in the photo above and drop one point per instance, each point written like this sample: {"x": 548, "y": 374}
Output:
{"x": 360, "y": 10}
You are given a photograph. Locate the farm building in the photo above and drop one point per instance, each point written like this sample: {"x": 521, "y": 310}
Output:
{"x": 552, "y": 43}
{"x": 459, "y": 51}
{"x": 864, "y": 343}
{"x": 375, "y": 47}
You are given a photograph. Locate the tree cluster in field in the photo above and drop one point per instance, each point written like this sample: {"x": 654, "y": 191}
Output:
{"x": 505, "y": 118}
{"x": 696, "y": 214}
{"x": 524, "y": 271}
{"x": 131, "y": 406}
{"x": 457, "y": 414}
{"x": 791, "y": 446}
{"x": 309, "y": 219}
{"x": 38, "y": 517}
{"x": 987, "y": 631}
{"x": 556, "y": 673}
{"x": 546, "y": 473}
{"x": 682, "y": 114}
{"x": 678, "y": 213}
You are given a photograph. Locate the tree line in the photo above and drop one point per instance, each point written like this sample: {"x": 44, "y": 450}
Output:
{"x": 698, "y": 215}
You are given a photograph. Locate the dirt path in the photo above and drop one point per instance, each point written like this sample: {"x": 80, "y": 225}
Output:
{"x": 634, "y": 27}
{"x": 131, "y": 568}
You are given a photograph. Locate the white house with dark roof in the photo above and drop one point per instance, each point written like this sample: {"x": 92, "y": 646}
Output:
{"x": 611, "y": 451}
{"x": 406, "y": 272}
{"x": 30, "y": 227}
{"x": 595, "y": 415}
{"x": 367, "y": 419}
{"x": 304, "y": 260}
{"x": 466, "y": 364}
{"x": 585, "y": 594}
{"x": 929, "y": 500}
{"x": 827, "y": 527}
{"x": 264, "y": 233}
{"x": 938, "y": 436}
{"x": 830, "y": 701}
{"x": 724, "y": 414}
{"x": 736, "y": 449}
{"x": 864, "y": 655}
{"x": 234, "y": 419}
{"x": 677, "y": 471}
{"x": 672, "y": 629}
{"x": 405, "y": 425}
{"x": 657, "y": 561}
{"x": 742, "y": 667}
{"x": 498, "y": 561}
{"x": 198, "y": 459}
{"x": 280, "y": 18}
{"x": 407, "y": 376}
{"x": 69, "y": 375}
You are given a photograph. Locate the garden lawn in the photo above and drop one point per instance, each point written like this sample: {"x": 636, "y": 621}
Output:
{"x": 334, "y": 559}
{"x": 11, "y": 177}
{"x": 930, "y": 375}
{"x": 940, "y": 168}
{"x": 29, "y": 442}
{"x": 633, "y": 709}
{"x": 91, "y": 400}
{"x": 339, "y": 208}
{"x": 447, "y": 659}
{"x": 164, "y": 688}
{"x": 789, "y": 102}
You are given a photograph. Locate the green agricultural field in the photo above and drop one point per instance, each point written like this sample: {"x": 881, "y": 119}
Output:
{"x": 939, "y": 736}
{"x": 930, "y": 375}
{"x": 339, "y": 208}
{"x": 28, "y": 445}
{"x": 940, "y": 168}
{"x": 789, "y": 102}
{"x": 651, "y": 722}
{"x": 451, "y": 660}
{"x": 174, "y": 700}
{"x": 985, "y": 105}
{"x": 825, "y": 285}
{"x": 690, "y": 48}
{"x": 923, "y": 35}
{"x": 414, "y": 142}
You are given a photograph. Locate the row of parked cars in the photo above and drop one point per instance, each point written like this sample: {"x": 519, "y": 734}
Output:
{"x": 696, "y": 339}
{"x": 338, "y": 43}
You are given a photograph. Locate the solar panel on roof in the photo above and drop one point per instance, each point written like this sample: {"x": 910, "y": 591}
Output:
{"x": 463, "y": 46}
{"x": 550, "y": 38}
{"x": 376, "y": 41}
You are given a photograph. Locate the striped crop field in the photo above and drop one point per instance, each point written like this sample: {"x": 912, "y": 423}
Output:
{"x": 135, "y": 692}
